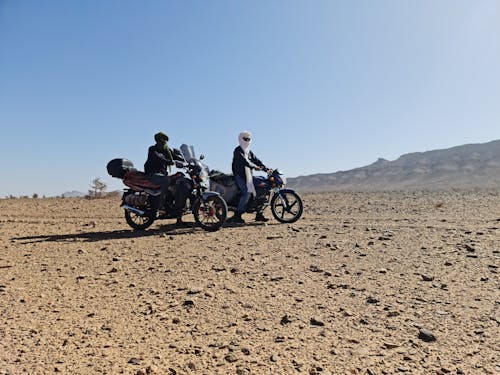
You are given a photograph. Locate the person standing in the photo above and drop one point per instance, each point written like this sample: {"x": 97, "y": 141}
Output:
{"x": 244, "y": 162}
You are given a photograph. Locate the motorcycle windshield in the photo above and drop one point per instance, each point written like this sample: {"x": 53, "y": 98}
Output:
{"x": 187, "y": 152}
{"x": 190, "y": 156}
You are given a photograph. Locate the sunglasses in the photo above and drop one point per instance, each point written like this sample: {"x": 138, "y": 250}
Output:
{"x": 246, "y": 139}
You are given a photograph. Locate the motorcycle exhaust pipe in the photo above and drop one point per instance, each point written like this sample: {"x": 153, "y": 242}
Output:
{"x": 133, "y": 209}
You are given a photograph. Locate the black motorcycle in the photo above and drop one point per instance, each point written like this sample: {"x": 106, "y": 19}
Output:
{"x": 208, "y": 207}
{"x": 286, "y": 204}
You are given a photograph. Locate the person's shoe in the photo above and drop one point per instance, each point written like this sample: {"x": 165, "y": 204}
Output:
{"x": 237, "y": 219}
{"x": 260, "y": 217}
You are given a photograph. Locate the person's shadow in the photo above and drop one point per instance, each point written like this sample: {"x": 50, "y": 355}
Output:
{"x": 168, "y": 229}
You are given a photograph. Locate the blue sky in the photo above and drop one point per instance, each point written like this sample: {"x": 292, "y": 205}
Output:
{"x": 323, "y": 85}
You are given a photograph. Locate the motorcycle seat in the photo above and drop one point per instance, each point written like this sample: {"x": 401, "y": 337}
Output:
{"x": 138, "y": 180}
{"x": 222, "y": 178}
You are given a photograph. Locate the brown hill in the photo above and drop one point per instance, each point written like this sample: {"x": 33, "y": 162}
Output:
{"x": 461, "y": 167}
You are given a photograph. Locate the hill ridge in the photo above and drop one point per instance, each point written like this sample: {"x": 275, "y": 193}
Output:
{"x": 474, "y": 165}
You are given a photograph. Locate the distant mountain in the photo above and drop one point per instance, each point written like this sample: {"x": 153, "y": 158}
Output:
{"x": 462, "y": 167}
{"x": 73, "y": 194}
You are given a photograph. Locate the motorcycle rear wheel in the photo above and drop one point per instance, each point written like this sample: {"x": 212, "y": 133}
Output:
{"x": 138, "y": 222}
{"x": 210, "y": 214}
{"x": 287, "y": 206}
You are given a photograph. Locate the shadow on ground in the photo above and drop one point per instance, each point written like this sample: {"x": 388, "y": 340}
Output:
{"x": 170, "y": 229}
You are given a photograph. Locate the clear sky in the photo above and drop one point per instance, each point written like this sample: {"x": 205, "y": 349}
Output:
{"x": 323, "y": 85}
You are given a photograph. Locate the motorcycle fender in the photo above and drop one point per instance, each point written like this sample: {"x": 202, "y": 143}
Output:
{"x": 207, "y": 194}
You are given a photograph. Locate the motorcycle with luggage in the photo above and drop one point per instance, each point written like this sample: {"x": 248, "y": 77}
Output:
{"x": 138, "y": 200}
{"x": 286, "y": 204}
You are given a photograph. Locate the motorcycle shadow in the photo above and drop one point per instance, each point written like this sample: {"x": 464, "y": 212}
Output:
{"x": 229, "y": 224}
{"x": 166, "y": 229}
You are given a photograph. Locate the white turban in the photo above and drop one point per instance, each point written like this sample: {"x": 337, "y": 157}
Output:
{"x": 245, "y": 145}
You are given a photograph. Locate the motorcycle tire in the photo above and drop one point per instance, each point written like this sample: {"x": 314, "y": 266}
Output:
{"x": 210, "y": 214}
{"x": 287, "y": 206}
{"x": 138, "y": 222}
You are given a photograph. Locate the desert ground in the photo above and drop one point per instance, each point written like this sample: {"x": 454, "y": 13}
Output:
{"x": 363, "y": 283}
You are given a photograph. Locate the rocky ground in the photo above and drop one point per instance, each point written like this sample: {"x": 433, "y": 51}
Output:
{"x": 372, "y": 283}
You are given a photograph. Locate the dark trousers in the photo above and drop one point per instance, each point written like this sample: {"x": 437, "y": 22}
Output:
{"x": 245, "y": 194}
{"x": 164, "y": 182}
{"x": 182, "y": 187}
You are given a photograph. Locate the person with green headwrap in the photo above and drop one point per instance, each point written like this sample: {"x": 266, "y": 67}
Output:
{"x": 160, "y": 156}
{"x": 157, "y": 166}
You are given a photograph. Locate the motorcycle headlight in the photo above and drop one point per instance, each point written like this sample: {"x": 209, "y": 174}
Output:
{"x": 203, "y": 175}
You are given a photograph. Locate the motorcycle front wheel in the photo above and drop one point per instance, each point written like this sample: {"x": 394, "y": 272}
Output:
{"x": 211, "y": 213}
{"x": 137, "y": 221}
{"x": 286, "y": 206}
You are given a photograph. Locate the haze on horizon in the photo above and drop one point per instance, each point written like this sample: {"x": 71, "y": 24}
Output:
{"x": 323, "y": 86}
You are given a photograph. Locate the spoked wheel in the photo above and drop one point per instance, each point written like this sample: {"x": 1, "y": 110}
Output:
{"x": 137, "y": 221}
{"x": 211, "y": 213}
{"x": 286, "y": 206}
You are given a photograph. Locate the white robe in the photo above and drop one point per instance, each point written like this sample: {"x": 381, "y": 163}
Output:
{"x": 245, "y": 146}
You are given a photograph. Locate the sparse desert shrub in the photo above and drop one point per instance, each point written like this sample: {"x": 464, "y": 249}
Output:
{"x": 98, "y": 189}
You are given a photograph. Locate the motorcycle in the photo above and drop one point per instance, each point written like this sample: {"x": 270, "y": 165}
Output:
{"x": 208, "y": 207}
{"x": 286, "y": 204}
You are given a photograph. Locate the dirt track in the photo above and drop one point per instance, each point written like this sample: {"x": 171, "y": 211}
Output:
{"x": 347, "y": 289}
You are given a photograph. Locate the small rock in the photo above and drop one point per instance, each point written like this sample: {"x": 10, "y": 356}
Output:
{"x": 426, "y": 335}
{"x": 134, "y": 361}
{"x": 285, "y": 320}
{"x": 372, "y": 300}
{"x": 427, "y": 277}
{"x": 274, "y": 358}
{"x": 316, "y": 322}
{"x": 231, "y": 358}
{"x": 314, "y": 268}
{"x": 469, "y": 248}
{"x": 390, "y": 345}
